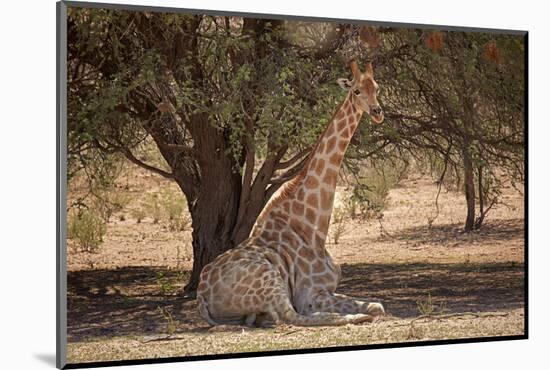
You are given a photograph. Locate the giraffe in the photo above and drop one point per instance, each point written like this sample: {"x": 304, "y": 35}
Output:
{"x": 283, "y": 273}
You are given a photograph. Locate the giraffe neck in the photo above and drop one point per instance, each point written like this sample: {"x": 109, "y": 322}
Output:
{"x": 317, "y": 188}
{"x": 307, "y": 200}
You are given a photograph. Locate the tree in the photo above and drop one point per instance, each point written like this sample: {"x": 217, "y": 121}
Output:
{"x": 222, "y": 98}
{"x": 456, "y": 99}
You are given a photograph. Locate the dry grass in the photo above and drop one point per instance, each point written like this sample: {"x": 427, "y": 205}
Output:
{"x": 123, "y": 297}
{"x": 242, "y": 339}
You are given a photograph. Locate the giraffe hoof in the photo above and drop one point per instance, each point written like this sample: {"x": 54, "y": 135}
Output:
{"x": 376, "y": 309}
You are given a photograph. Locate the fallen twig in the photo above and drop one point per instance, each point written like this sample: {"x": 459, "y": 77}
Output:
{"x": 452, "y": 315}
{"x": 158, "y": 338}
{"x": 458, "y": 315}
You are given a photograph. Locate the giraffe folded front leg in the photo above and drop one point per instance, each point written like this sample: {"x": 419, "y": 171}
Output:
{"x": 339, "y": 303}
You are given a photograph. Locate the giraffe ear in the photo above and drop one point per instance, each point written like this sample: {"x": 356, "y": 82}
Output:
{"x": 344, "y": 83}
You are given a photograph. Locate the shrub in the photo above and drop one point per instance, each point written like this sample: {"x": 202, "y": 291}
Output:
{"x": 166, "y": 285}
{"x": 174, "y": 206}
{"x": 87, "y": 229}
{"x": 138, "y": 213}
{"x": 153, "y": 208}
{"x": 370, "y": 193}
{"x": 170, "y": 323}
{"x": 428, "y": 308}
{"x": 109, "y": 202}
{"x": 339, "y": 227}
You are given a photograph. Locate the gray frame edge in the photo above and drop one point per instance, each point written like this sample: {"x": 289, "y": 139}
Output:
{"x": 288, "y": 17}
{"x": 61, "y": 185}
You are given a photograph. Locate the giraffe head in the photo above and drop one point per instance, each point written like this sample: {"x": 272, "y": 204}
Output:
{"x": 364, "y": 91}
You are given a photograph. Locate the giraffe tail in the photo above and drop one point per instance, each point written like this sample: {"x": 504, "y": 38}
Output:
{"x": 203, "y": 310}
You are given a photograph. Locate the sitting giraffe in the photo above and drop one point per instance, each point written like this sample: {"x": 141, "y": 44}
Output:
{"x": 282, "y": 273}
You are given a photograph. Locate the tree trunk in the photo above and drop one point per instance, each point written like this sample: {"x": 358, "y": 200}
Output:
{"x": 481, "y": 197}
{"x": 213, "y": 215}
{"x": 469, "y": 189}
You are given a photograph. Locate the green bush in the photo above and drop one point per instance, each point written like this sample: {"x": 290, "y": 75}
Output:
{"x": 370, "y": 193}
{"x": 174, "y": 206}
{"x": 87, "y": 229}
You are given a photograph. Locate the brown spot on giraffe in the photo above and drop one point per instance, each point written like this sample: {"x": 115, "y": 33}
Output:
{"x": 342, "y": 145}
{"x": 311, "y": 216}
{"x": 298, "y": 208}
{"x": 311, "y": 182}
{"x": 301, "y": 229}
{"x": 326, "y": 199}
{"x": 289, "y": 238}
{"x": 342, "y": 125}
{"x": 330, "y": 144}
{"x": 313, "y": 200}
{"x": 214, "y": 276}
{"x": 330, "y": 177}
{"x": 320, "y": 167}
{"x": 257, "y": 284}
{"x": 241, "y": 289}
{"x": 323, "y": 222}
{"x": 303, "y": 266}
{"x": 336, "y": 159}
{"x": 318, "y": 266}
{"x": 306, "y": 253}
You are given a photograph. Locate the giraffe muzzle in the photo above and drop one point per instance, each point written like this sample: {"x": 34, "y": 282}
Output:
{"x": 377, "y": 114}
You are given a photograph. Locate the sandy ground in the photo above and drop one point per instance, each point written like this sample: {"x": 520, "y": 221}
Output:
{"x": 472, "y": 285}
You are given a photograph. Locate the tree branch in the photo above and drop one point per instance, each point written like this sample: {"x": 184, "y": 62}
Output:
{"x": 148, "y": 167}
{"x": 294, "y": 159}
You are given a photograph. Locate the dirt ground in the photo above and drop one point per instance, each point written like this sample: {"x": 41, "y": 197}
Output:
{"x": 125, "y": 301}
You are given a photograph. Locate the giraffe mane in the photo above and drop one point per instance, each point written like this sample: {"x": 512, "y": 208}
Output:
{"x": 286, "y": 190}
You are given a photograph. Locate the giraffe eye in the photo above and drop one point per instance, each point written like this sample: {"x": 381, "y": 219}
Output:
{"x": 357, "y": 92}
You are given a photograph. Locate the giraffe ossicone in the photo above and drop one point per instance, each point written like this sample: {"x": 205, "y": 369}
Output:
{"x": 283, "y": 273}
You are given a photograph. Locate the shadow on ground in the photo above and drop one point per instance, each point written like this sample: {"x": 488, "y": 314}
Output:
{"x": 126, "y": 301}
{"x": 406, "y": 288}
{"x": 451, "y": 235}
